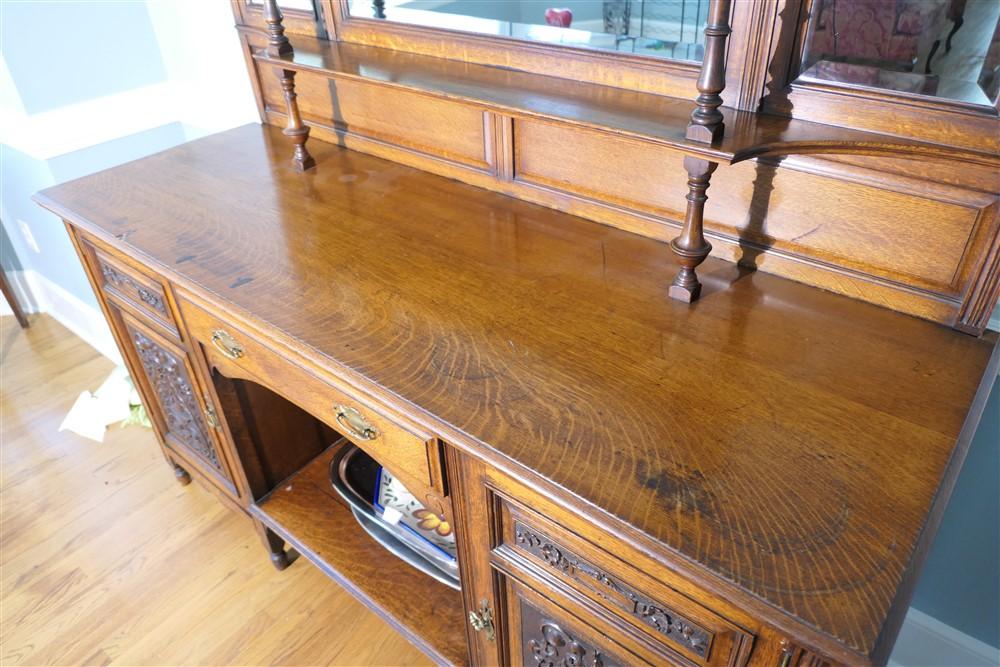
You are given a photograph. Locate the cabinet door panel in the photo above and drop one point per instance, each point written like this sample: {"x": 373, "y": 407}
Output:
{"x": 174, "y": 401}
{"x": 544, "y": 634}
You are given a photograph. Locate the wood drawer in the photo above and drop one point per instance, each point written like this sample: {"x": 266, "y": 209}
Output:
{"x": 649, "y": 614}
{"x": 125, "y": 283}
{"x": 412, "y": 456}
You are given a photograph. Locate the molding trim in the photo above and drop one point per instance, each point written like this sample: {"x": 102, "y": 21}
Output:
{"x": 924, "y": 640}
{"x": 38, "y": 294}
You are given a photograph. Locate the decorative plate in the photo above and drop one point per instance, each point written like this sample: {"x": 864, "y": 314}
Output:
{"x": 432, "y": 528}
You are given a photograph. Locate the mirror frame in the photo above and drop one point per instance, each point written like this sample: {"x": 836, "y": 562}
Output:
{"x": 938, "y": 120}
{"x": 662, "y": 76}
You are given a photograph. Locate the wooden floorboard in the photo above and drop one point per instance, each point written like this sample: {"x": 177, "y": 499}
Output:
{"x": 105, "y": 559}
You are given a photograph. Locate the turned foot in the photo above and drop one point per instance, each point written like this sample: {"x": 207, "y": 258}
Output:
{"x": 274, "y": 544}
{"x": 686, "y": 286}
{"x": 183, "y": 478}
{"x": 280, "y": 560}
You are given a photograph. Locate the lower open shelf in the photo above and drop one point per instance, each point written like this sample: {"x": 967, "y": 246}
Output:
{"x": 305, "y": 511}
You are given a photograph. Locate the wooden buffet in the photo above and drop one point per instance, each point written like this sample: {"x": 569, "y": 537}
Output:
{"x": 751, "y": 478}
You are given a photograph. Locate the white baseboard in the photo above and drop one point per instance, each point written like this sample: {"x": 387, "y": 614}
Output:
{"x": 925, "y": 641}
{"x": 38, "y": 294}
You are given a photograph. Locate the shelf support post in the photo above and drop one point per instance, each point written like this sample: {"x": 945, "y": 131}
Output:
{"x": 296, "y": 129}
{"x": 691, "y": 247}
{"x": 706, "y": 123}
{"x": 277, "y": 43}
{"x": 278, "y": 46}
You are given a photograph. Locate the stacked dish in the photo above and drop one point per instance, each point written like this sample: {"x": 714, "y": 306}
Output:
{"x": 393, "y": 517}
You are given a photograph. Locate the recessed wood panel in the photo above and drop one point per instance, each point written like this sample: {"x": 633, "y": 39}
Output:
{"x": 436, "y": 127}
{"x": 881, "y": 232}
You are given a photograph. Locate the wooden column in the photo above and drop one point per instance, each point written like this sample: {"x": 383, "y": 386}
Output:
{"x": 279, "y": 46}
{"x": 691, "y": 247}
{"x": 706, "y": 120}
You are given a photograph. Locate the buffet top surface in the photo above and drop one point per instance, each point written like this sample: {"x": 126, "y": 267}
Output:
{"x": 787, "y": 439}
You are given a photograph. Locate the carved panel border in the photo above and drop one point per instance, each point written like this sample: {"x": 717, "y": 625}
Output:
{"x": 665, "y": 621}
{"x": 121, "y": 281}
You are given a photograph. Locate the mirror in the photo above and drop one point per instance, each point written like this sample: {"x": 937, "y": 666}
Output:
{"x": 939, "y": 48}
{"x": 672, "y": 29}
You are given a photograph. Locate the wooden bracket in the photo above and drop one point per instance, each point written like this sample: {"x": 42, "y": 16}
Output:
{"x": 691, "y": 247}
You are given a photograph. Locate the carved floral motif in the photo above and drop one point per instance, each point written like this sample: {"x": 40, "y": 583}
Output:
{"x": 170, "y": 382}
{"x": 555, "y": 648}
{"x": 122, "y": 281}
{"x": 665, "y": 621}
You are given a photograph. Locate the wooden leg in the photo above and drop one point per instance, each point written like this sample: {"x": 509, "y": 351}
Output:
{"x": 15, "y": 305}
{"x": 183, "y": 478}
{"x": 275, "y": 545}
{"x": 691, "y": 247}
{"x": 296, "y": 129}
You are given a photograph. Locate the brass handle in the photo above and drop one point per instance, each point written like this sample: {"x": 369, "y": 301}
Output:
{"x": 210, "y": 416}
{"x": 226, "y": 344}
{"x": 482, "y": 621}
{"x": 355, "y": 422}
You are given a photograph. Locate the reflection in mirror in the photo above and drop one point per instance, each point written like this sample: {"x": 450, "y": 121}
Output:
{"x": 671, "y": 29}
{"x": 940, "y": 48}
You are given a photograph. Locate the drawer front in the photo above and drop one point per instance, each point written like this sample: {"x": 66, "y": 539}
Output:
{"x": 547, "y": 630}
{"x": 137, "y": 289}
{"x": 174, "y": 401}
{"x": 413, "y": 457}
{"x": 665, "y": 621}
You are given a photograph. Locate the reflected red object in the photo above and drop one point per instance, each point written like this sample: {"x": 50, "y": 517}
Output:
{"x": 561, "y": 17}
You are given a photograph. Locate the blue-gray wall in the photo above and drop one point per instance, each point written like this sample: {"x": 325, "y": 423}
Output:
{"x": 59, "y": 53}
{"x": 960, "y": 584}
{"x": 23, "y": 176}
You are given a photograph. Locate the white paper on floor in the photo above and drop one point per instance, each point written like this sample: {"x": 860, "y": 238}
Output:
{"x": 91, "y": 413}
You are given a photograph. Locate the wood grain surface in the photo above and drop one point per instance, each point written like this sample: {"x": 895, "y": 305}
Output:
{"x": 106, "y": 560}
{"x": 307, "y": 512}
{"x": 786, "y": 439}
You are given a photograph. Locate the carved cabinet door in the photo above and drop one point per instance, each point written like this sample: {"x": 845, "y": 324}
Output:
{"x": 518, "y": 613}
{"x": 175, "y": 402}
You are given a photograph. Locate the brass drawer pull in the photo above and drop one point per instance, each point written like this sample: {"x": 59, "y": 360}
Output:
{"x": 226, "y": 344}
{"x": 482, "y": 621}
{"x": 355, "y": 422}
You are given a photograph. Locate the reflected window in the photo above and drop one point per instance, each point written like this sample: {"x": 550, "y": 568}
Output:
{"x": 939, "y": 48}
{"x": 671, "y": 29}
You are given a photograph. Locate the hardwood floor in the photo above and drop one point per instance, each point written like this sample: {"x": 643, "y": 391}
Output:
{"x": 105, "y": 559}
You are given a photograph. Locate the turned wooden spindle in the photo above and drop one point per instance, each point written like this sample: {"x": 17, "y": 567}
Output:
{"x": 296, "y": 129}
{"x": 691, "y": 247}
{"x": 277, "y": 43}
{"x": 277, "y": 46}
{"x": 706, "y": 120}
